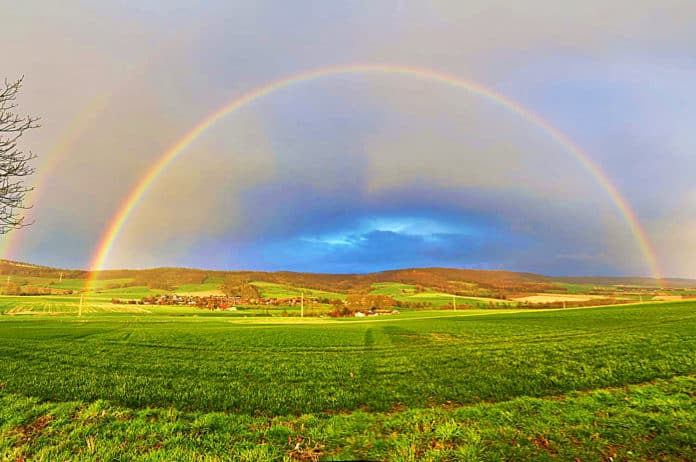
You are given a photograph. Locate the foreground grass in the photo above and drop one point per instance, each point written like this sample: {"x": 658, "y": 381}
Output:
{"x": 596, "y": 383}
{"x": 654, "y": 421}
{"x": 247, "y": 366}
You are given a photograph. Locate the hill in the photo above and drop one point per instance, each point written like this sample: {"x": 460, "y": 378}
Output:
{"x": 462, "y": 282}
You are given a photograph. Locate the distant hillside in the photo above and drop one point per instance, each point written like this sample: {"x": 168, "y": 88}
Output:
{"x": 14, "y": 268}
{"x": 628, "y": 281}
{"x": 449, "y": 279}
{"x": 455, "y": 281}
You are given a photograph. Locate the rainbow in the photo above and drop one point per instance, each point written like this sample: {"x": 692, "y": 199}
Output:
{"x": 85, "y": 118}
{"x": 71, "y": 135}
{"x": 130, "y": 203}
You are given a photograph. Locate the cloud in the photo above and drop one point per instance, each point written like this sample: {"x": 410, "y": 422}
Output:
{"x": 674, "y": 236}
{"x": 348, "y": 155}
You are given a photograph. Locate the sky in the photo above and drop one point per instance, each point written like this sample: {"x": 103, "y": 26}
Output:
{"x": 363, "y": 171}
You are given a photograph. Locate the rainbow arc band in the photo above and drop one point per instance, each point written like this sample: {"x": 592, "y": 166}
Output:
{"x": 11, "y": 241}
{"x": 129, "y": 204}
{"x": 77, "y": 127}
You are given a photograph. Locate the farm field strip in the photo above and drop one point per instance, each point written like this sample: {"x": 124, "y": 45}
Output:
{"x": 551, "y": 298}
{"x": 240, "y": 317}
{"x": 50, "y": 308}
{"x": 408, "y": 293}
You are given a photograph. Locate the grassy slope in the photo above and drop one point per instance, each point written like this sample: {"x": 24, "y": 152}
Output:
{"x": 273, "y": 290}
{"x": 210, "y": 363}
{"x": 575, "y": 288}
{"x": 56, "y": 283}
{"x": 205, "y": 287}
{"x": 390, "y": 379}
{"x": 406, "y": 293}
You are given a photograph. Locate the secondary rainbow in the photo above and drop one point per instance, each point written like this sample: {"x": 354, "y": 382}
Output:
{"x": 82, "y": 121}
{"x": 127, "y": 207}
{"x": 75, "y": 129}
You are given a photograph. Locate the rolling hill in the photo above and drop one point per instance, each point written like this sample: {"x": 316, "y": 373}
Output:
{"x": 462, "y": 282}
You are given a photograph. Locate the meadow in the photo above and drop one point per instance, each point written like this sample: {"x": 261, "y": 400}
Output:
{"x": 430, "y": 297}
{"x": 180, "y": 383}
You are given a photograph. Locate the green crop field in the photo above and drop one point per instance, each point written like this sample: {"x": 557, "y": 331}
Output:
{"x": 575, "y": 288}
{"x": 429, "y": 297}
{"x": 177, "y": 383}
{"x": 393, "y": 289}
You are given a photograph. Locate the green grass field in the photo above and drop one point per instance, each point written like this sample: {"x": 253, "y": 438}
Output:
{"x": 56, "y": 283}
{"x": 168, "y": 383}
{"x": 429, "y": 297}
{"x": 575, "y": 288}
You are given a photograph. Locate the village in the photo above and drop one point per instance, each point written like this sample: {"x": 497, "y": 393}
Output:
{"x": 214, "y": 302}
{"x": 340, "y": 308}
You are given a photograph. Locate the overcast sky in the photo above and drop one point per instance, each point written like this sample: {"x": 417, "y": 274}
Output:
{"x": 367, "y": 171}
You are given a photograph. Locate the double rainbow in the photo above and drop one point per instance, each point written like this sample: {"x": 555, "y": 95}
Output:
{"x": 135, "y": 196}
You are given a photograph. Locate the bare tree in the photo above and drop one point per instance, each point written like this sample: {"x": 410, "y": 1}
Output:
{"x": 14, "y": 162}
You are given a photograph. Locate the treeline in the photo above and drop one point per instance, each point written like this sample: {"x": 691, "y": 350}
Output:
{"x": 235, "y": 288}
{"x": 369, "y": 303}
{"x": 19, "y": 289}
{"x": 156, "y": 278}
{"x": 495, "y": 284}
{"x": 13, "y": 268}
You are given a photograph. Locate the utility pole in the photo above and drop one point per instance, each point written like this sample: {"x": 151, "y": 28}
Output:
{"x": 302, "y": 305}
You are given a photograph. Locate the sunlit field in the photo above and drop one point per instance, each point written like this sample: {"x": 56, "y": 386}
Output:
{"x": 175, "y": 382}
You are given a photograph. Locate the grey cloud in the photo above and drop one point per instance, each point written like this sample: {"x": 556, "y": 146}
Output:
{"x": 317, "y": 157}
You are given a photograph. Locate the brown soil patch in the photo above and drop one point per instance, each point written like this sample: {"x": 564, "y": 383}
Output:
{"x": 28, "y": 432}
